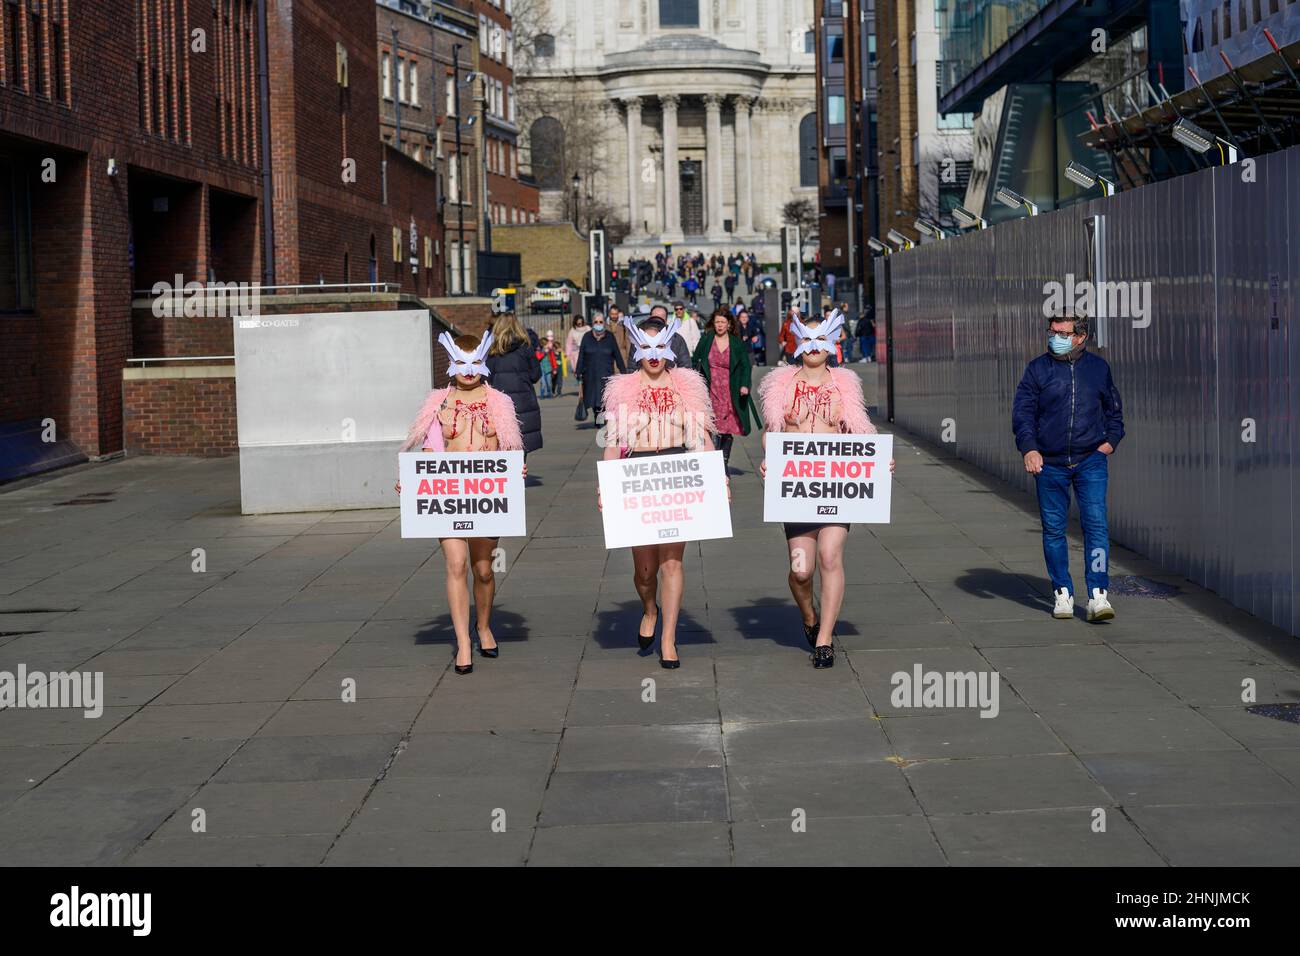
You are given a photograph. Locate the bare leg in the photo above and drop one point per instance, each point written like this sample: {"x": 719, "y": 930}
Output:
{"x": 670, "y": 595}
{"x": 455, "y": 552}
{"x": 830, "y": 559}
{"x": 803, "y": 561}
{"x": 485, "y": 588}
{"x": 645, "y": 575}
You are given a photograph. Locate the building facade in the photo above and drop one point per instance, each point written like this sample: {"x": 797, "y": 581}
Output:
{"x": 133, "y": 155}
{"x": 671, "y": 121}
{"x": 845, "y": 148}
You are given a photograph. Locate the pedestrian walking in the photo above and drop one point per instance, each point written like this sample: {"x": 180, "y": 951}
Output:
{"x": 598, "y": 356}
{"x": 1068, "y": 420}
{"x": 468, "y": 415}
{"x": 722, "y": 358}
{"x": 573, "y": 340}
{"x": 812, "y": 397}
{"x": 515, "y": 369}
{"x": 657, "y": 409}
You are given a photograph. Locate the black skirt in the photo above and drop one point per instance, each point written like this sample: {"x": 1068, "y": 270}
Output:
{"x": 675, "y": 450}
{"x": 794, "y": 530}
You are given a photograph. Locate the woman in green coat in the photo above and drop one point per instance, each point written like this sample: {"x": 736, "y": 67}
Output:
{"x": 723, "y": 360}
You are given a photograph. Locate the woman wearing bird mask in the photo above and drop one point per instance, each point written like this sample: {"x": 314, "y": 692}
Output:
{"x": 467, "y": 415}
{"x": 657, "y": 409}
{"x": 808, "y": 396}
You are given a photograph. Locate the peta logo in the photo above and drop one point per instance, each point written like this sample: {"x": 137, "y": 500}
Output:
{"x": 462, "y": 526}
{"x": 72, "y": 909}
{"x": 669, "y": 532}
{"x": 828, "y": 509}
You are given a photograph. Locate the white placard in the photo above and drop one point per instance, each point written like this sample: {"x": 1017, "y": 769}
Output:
{"x": 827, "y": 479}
{"x": 659, "y": 499}
{"x": 462, "y": 494}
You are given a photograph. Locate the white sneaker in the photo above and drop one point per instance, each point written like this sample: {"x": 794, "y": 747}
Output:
{"x": 1064, "y": 609}
{"x": 1099, "y": 608}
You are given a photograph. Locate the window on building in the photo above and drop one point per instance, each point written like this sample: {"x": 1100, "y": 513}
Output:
{"x": 453, "y": 178}
{"x": 413, "y": 84}
{"x": 13, "y": 43}
{"x": 834, "y": 44}
{"x": 810, "y": 41}
{"x": 15, "y": 239}
{"x": 401, "y": 80}
{"x": 510, "y": 49}
{"x": 839, "y": 164}
{"x": 546, "y": 139}
{"x": 452, "y": 108}
{"x": 834, "y": 8}
{"x": 679, "y": 13}
{"x": 835, "y": 109}
{"x": 386, "y": 75}
{"x": 808, "y": 150}
{"x": 483, "y": 34}
{"x": 544, "y": 46}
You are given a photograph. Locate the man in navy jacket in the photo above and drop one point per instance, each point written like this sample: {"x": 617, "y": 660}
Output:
{"x": 1067, "y": 421}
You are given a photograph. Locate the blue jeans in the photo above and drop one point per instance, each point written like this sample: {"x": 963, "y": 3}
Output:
{"x": 1088, "y": 478}
{"x": 546, "y": 383}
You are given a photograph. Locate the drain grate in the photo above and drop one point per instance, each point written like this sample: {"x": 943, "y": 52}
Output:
{"x": 1288, "y": 712}
{"x": 1133, "y": 585}
{"x": 95, "y": 498}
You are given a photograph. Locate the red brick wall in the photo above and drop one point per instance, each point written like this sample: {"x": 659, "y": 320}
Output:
{"x": 181, "y": 416}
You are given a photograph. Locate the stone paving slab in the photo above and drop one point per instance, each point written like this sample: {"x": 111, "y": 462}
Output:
{"x": 224, "y": 691}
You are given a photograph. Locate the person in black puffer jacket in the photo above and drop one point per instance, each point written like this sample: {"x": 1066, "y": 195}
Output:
{"x": 515, "y": 370}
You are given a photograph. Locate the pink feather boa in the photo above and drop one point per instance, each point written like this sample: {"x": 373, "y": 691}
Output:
{"x": 776, "y": 394}
{"x": 621, "y": 392}
{"x": 500, "y": 409}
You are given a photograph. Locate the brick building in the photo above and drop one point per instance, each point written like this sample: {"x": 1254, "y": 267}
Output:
{"x": 510, "y": 200}
{"x": 133, "y": 150}
{"x": 427, "y": 50}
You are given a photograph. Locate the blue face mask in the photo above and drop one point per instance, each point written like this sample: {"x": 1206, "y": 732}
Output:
{"x": 1060, "y": 344}
{"x": 598, "y": 327}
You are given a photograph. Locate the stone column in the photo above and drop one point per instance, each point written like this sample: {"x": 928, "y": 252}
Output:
{"x": 672, "y": 189}
{"x": 744, "y": 170}
{"x": 713, "y": 144}
{"x": 635, "y": 213}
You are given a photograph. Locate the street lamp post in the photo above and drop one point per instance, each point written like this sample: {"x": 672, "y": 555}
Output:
{"x": 577, "y": 182}
{"x": 460, "y": 182}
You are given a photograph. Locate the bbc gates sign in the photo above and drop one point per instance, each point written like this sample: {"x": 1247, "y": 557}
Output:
{"x": 828, "y": 479}
{"x": 462, "y": 494}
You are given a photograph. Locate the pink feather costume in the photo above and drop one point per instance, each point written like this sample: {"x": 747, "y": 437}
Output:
{"x": 623, "y": 392}
{"x": 776, "y": 395}
{"x": 426, "y": 430}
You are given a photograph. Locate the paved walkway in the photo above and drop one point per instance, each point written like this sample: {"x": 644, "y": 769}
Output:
{"x": 224, "y": 693}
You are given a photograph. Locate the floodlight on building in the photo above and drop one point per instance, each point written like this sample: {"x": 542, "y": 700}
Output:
{"x": 898, "y": 239}
{"x": 928, "y": 228}
{"x": 1009, "y": 197}
{"x": 965, "y": 218}
{"x": 1200, "y": 141}
{"x": 1081, "y": 175}
{"x": 877, "y": 246}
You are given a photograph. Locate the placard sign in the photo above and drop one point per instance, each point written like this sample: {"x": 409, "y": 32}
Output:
{"x": 462, "y": 494}
{"x": 831, "y": 479}
{"x": 664, "y": 498}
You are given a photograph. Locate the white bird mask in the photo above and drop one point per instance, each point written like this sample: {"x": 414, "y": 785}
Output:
{"x": 821, "y": 339}
{"x": 466, "y": 363}
{"x": 653, "y": 345}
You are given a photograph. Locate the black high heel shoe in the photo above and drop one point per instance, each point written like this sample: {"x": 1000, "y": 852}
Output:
{"x": 642, "y": 640}
{"x": 462, "y": 671}
{"x": 823, "y": 656}
{"x": 667, "y": 664}
{"x": 810, "y": 632}
{"x": 489, "y": 652}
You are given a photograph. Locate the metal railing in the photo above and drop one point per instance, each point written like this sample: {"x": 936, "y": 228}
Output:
{"x": 143, "y": 362}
